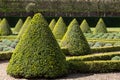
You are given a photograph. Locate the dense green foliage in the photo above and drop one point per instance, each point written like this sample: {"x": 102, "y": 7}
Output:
{"x": 18, "y": 25}
{"x": 52, "y": 24}
{"x": 100, "y": 27}
{"x": 37, "y": 54}
{"x": 59, "y": 29}
{"x": 85, "y": 27}
{"x": 94, "y": 66}
{"x": 93, "y": 57}
{"x": 5, "y": 28}
{"x": 74, "y": 40}
{"x": 24, "y": 27}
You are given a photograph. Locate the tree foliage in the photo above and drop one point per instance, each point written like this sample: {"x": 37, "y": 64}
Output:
{"x": 87, "y": 6}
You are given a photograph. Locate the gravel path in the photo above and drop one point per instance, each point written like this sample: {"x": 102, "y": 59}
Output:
{"x": 102, "y": 76}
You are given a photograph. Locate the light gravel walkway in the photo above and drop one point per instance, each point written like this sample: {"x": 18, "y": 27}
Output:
{"x": 102, "y": 76}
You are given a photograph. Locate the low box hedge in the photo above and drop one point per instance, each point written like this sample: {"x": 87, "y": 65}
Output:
{"x": 96, "y": 50}
{"x": 5, "y": 55}
{"x": 103, "y": 56}
{"x": 105, "y": 49}
{"x": 104, "y": 40}
{"x": 8, "y": 37}
{"x": 94, "y": 66}
{"x": 94, "y": 57}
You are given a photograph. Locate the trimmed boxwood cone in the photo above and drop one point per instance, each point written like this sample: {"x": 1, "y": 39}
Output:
{"x": 74, "y": 40}
{"x": 59, "y": 29}
{"x": 18, "y": 25}
{"x": 37, "y": 54}
{"x": 100, "y": 27}
{"x": 52, "y": 24}
{"x": 85, "y": 27}
{"x": 24, "y": 27}
{"x": 5, "y": 28}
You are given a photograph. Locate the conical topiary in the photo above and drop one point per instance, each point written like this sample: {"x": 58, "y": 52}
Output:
{"x": 85, "y": 27}
{"x": 24, "y": 27}
{"x": 52, "y": 24}
{"x": 18, "y": 25}
{"x": 5, "y": 28}
{"x": 59, "y": 29}
{"x": 100, "y": 27}
{"x": 37, "y": 54}
{"x": 74, "y": 40}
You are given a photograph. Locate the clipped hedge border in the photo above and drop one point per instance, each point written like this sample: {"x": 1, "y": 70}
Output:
{"x": 93, "y": 57}
{"x": 105, "y": 49}
{"x": 96, "y": 50}
{"x": 76, "y": 65}
{"x": 5, "y": 55}
{"x": 94, "y": 66}
{"x": 8, "y": 37}
{"x": 90, "y": 39}
{"x": 103, "y": 56}
{"x": 103, "y": 41}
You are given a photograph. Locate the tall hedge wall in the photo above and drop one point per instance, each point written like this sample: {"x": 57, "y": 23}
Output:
{"x": 92, "y": 21}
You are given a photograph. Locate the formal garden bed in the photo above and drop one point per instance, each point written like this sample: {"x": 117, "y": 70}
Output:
{"x": 36, "y": 49}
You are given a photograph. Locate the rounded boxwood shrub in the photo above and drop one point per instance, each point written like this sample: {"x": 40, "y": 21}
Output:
{"x": 13, "y": 44}
{"x": 108, "y": 44}
{"x": 16, "y": 40}
{"x": 116, "y": 58}
{"x": 7, "y": 42}
{"x": 59, "y": 29}
{"x": 74, "y": 40}
{"x": 18, "y": 25}
{"x": 5, "y": 28}
{"x": 100, "y": 27}
{"x": 52, "y": 24}
{"x": 37, "y": 54}
{"x": 8, "y": 49}
{"x": 98, "y": 44}
{"x": 91, "y": 44}
{"x": 24, "y": 27}
{"x": 85, "y": 27}
{"x": 1, "y": 48}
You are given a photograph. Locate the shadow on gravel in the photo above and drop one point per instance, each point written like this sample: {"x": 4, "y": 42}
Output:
{"x": 4, "y": 61}
{"x": 77, "y": 75}
{"x": 70, "y": 76}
